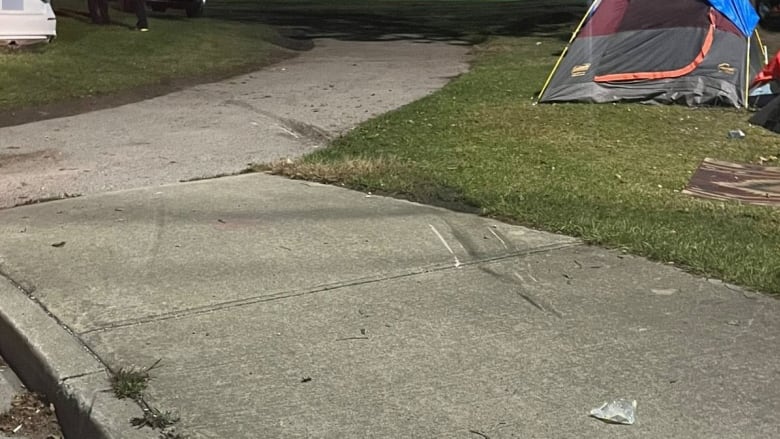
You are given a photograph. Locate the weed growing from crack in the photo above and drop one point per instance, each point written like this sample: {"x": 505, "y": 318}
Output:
{"x": 162, "y": 421}
{"x": 131, "y": 382}
{"x": 155, "y": 419}
{"x": 171, "y": 433}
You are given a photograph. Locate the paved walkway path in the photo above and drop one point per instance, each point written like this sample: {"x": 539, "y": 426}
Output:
{"x": 284, "y": 309}
{"x": 285, "y": 110}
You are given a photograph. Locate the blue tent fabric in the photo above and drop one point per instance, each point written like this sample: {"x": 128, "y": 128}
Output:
{"x": 740, "y": 12}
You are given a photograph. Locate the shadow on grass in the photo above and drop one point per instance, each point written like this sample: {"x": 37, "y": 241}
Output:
{"x": 357, "y": 173}
{"x": 468, "y": 21}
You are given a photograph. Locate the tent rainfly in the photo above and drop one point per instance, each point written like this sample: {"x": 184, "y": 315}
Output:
{"x": 26, "y": 21}
{"x": 692, "y": 52}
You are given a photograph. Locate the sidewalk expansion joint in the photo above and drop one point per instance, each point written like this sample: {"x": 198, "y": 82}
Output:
{"x": 81, "y": 375}
{"x": 288, "y": 294}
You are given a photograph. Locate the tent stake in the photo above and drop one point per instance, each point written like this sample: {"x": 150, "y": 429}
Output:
{"x": 566, "y": 49}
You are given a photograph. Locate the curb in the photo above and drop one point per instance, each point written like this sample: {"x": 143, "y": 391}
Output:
{"x": 52, "y": 361}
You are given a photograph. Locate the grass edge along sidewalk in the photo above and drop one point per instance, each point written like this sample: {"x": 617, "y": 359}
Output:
{"x": 609, "y": 174}
{"x": 87, "y": 61}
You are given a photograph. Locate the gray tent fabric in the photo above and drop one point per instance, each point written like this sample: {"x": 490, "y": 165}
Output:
{"x": 633, "y": 52}
{"x": 651, "y": 50}
{"x": 718, "y": 80}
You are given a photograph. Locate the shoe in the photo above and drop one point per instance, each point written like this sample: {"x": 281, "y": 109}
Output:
{"x": 143, "y": 29}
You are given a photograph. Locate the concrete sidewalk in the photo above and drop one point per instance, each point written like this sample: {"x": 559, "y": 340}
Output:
{"x": 285, "y": 110}
{"x": 284, "y": 309}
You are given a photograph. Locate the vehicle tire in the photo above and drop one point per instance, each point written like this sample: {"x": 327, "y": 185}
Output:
{"x": 158, "y": 8}
{"x": 195, "y": 10}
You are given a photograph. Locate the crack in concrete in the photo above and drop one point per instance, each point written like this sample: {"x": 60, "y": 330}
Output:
{"x": 289, "y": 294}
{"x": 81, "y": 375}
{"x": 27, "y": 287}
{"x": 44, "y": 199}
{"x": 29, "y": 293}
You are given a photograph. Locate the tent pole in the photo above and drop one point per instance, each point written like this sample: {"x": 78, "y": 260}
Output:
{"x": 566, "y": 49}
{"x": 747, "y": 74}
{"x": 762, "y": 47}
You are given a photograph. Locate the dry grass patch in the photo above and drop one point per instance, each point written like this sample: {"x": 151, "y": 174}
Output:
{"x": 352, "y": 170}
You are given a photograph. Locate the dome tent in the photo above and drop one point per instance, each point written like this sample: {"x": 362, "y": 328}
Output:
{"x": 693, "y": 52}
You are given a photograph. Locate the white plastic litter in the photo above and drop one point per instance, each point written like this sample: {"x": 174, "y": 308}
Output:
{"x": 620, "y": 411}
{"x": 736, "y": 134}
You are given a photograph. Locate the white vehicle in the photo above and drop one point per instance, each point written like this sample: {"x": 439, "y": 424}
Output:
{"x": 25, "y": 22}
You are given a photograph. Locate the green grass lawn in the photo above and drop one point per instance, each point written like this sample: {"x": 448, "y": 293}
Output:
{"x": 88, "y": 60}
{"x": 610, "y": 174}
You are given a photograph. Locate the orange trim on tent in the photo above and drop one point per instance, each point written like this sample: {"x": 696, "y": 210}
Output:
{"x": 705, "y": 49}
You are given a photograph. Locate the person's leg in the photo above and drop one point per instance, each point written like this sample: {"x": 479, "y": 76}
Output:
{"x": 140, "y": 13}
{"x": 94, "y": 12}
{"x": 103, "y": 5}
